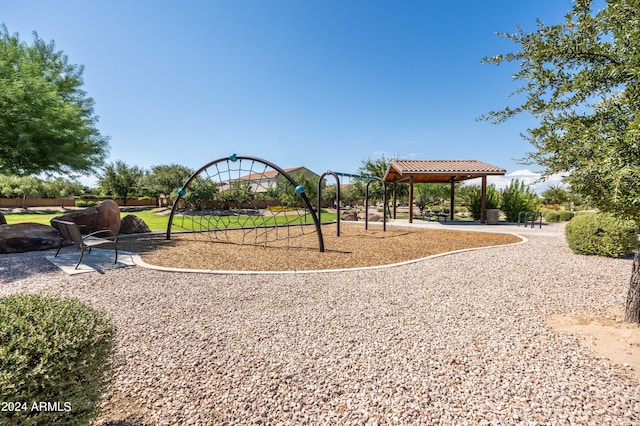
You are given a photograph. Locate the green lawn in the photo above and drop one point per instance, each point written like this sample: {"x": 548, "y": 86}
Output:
{"x": 42, "y": 217}
{"x": 155, "y": 222}
{"x": 158, "y": 222}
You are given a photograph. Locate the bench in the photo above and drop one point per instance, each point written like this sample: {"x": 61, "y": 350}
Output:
{"x": 438, "y": 214}
{"x": 69, "y": 231}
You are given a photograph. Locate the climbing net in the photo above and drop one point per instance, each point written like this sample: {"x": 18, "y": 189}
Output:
{"x": 243, "y": 200}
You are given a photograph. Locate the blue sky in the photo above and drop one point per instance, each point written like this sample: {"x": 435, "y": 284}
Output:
{"x": 326, "y": 84}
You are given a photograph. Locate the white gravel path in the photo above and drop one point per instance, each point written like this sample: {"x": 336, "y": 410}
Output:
{"x": 458, "y": 339}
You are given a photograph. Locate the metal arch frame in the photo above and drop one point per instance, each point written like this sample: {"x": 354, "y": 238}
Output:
{"x": 335, "y": 175}
{"x": 234, "y": 158}
{"x": 384, "y": 203}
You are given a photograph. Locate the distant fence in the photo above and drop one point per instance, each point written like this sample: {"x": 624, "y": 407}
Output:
{"x": 67, "y": 202}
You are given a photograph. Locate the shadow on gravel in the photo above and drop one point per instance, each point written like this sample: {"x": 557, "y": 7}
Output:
{"x": 18, "y": 266}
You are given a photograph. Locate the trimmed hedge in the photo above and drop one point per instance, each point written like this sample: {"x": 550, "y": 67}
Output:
{"x": 55, "y": 360}
{"x": 602, "y": 234}
{"x": 552, "y": 216}
{"x": 557, "y": 215}
{"x": 565, "y": 215}
{"x": 85, "y": 203}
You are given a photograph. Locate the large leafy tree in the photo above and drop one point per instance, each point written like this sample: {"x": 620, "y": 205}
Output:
{"x": 20, "y": 186}
{"x": 581, "y": 81}
{"x": 308, "y": 182}
{"x": 62, "y": 188}
{"x": 47, "y": 122}
{"x": 165, "y": 180}
{"x": 121, "y": 180}
{"x": 377, "y": 168}
{"x": 555, "y": 194}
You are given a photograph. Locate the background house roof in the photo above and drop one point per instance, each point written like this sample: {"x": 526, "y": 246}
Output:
{"x": 439, "y": 171}
{"x": 270, "y": 174}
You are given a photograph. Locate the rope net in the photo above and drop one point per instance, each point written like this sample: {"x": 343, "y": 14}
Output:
{"x": 242, "y": 202}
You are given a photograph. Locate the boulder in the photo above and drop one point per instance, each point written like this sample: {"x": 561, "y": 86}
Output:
{"x": 375, "y": 217}
{"x": 3, "y": 221}
{"x": 350, "y": 215}
{"x": 132, "y": 224}
{"x": 105, "y": 215}
{"x": 23, "y": 237}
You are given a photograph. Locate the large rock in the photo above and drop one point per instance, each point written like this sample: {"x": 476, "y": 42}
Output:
{"x": 3, "y": 221}
{"x": 132, "y": 224}
{"x": 23, "y": 237}
{"x": 375, "y": 217}
{"x": 105, "y": 215}
{"x": 350, "y": 215}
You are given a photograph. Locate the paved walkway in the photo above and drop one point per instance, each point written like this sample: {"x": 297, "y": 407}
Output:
{"x": 547, "y": 230}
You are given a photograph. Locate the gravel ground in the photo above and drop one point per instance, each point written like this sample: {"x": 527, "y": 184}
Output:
{"x": 457, "y": 339}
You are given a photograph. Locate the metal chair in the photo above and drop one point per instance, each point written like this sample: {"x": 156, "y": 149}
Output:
{"x": 70, "y": 231}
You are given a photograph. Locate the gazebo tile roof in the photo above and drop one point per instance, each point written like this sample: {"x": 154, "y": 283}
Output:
{"x": 439, "y": 170}
{"x": 445, "y": 166}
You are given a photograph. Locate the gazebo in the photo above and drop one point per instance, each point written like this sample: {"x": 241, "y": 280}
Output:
{"x": 440, "y": 171}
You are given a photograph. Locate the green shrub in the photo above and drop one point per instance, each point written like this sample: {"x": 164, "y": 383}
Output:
{"x": 557, "y": 215}
{"x": 602, "y": 234}
{"x": 565, "y": 215}
{"x": 475, "y": 199}
{"x": 516, "y": 198}
{"x": 53, "y": 351}
{"x": 552, "y": 216}
{"x": 81, "y": 203}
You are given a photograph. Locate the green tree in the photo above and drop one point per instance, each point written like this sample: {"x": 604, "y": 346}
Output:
{"x": 21, "y": 186}
{"x": 47, "y": 122}
{"x": 555, "y": 194}
{"x": 62, "y": 188}
{"x": 516, "y": 198}
{"x": 238, "y": 194}
{"x": 377, "y": 168}
{"x": 581, "y": 81}
{"x": 472, "y": 195}
{"x": 201, "y": 192}
{"x": 329, "y": 193}
{"x": 309, "y": 183}
{"x": 121, "y": 180}
{"x": 432, "y": 193}
{"x": 348, "y": 194}
{"x": 165, "y": 180}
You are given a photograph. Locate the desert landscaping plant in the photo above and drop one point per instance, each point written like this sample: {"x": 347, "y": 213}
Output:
{"x": 565, "y": 215}
{"x": 56, "y": 358}
{"x": 475, "y": 200}
{"x": 602, "y": 234}
{"x": 516, "y": 198}
{"x": 551, "y": 216}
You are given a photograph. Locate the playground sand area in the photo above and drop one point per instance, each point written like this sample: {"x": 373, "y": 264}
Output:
{"x": 355, "y": 248}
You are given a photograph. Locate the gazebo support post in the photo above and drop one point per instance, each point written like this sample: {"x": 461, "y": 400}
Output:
{"x": 483, "y": 201}
{"x": 395, "y": 210}
{"x": 452, "y": 197}
{"x": 410, "y": 199}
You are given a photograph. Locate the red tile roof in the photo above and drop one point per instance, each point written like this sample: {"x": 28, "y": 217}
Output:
{"x": 439, "y": 170}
